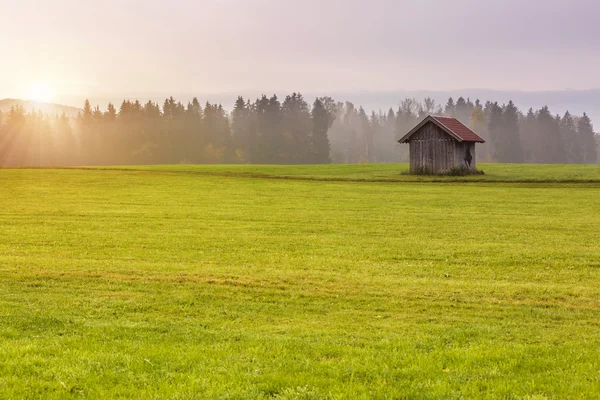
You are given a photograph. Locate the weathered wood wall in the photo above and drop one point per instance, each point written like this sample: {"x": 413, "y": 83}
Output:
{"x": 460, "y": 153}
{"x": 433, "y": 149}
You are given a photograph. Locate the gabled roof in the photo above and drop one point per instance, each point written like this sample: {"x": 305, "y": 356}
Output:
{"x": 451, "y": 126}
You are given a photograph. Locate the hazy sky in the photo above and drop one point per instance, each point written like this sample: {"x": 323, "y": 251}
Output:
{"x": 123, "y": 47}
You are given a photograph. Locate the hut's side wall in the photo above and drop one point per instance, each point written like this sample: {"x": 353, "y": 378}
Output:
{"x": 433, "y": 149}
{"x": 461, "y": 151}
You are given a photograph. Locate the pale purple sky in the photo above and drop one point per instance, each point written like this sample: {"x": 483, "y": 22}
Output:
{"x": 121, "y": 47}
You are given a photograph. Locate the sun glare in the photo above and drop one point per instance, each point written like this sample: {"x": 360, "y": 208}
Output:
{"x": 40, "y": 93}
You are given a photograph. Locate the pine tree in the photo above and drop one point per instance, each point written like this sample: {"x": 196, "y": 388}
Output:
{"x": 374, "y": 133}
{"x": 297, "y": 127}
{"x": 260, "y": 124}
{"x": 111, "y": 113}
{"x": 365, "y": 134}
{"x": 477, "y": 124}
{"x": 529, "y": 134}
{"x": 509, "y": 144}
{"x": 87, "y": 140}
{"x": 552, "y": 151}
{"x": 15, "y": 138}
{"x": 568, "y": 132}
{"x": 387, "y": 143}
{"x": 210, "y": 123}
{"x": 321, "y": 122}
{"x": 477, "y": 120}
{"x": 350, "y": 141}
{"x": 195, "y": 108}
{"x": 97, "y": 115}
{"x": 86, "y": 115}
{"x": 462, "y": 110}
{"x": 176, "y": 124}
{"x": 496, "y": 129}
{"x": 224, "y": 138}
{"x": 110, "y": 126}
{"x": 450, "y": 109}
{"x": 272, "y": 140}
{"x": 66, "y": 141}
{"x": 585, "y": 133}
{"x": 153, "y": 148}
{"x": 242, "y": 132}
{"x": 193, "y": 135}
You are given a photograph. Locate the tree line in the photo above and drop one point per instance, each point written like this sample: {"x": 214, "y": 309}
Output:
{"x": 511, "y": 136}
{"x": 270, "y": 131}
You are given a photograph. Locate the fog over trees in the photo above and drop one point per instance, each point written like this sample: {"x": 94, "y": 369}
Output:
{"x": 273, "y": 130}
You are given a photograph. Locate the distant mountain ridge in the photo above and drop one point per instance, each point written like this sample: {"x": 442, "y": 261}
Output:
{"x": 48, "y": 108}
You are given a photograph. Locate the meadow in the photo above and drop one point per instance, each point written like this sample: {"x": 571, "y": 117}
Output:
{"x": 300, "y": 282}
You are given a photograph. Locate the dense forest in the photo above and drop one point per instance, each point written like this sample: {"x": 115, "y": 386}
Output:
{"x": 271, "y": 131}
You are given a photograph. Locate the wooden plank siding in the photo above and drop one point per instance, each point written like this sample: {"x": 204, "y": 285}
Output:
{"x": 432, "y": 148}
{"x": 460, "y": 153}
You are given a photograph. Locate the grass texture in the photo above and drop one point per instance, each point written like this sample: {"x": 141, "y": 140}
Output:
{"x": 331, "y": 282}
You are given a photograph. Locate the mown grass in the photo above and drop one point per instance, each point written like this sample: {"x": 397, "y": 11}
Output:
{"x": 179, "y": 282}
{"x": 502, "y": 173}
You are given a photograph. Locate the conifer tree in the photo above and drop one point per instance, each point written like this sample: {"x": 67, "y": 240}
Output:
{"x": 193, "y": 132}
{"x": 509, "y": 144}
{"x": 350, "y": 142}
{"x": 86, "y": 115}
{"x": 273, "y": 145}
{"x": 585, "y": 133}
{"x": 570, "y": 139}
{"x": 495, "y": 129}
{"x": 529, "y": 134}
{"x": 549, "y": 135}
{"x": 151, "y": 148}
{"x": 241, "y": 130}
{"x": 297, "y": 126}
{"x": 109, "y": 135}
{"x": 19, "y": 136}
{"x": 225, "y": 141}
{"x": 477, "y": 119}
{"x": 478, "y": 124}
{"x": 365, "y": 143}
{"x": 462, "y": 110}
{"x": 111, "y": 113}
{"x": 450, "y": 109}
{"x": 86, "y": 140}
{"x": 321, "y": 122}
{"x": 65, "y": 140}
{"x": 386, "y": 142}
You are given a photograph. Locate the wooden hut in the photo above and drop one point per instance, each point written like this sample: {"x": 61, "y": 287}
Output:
{"x": 440, "y": 144}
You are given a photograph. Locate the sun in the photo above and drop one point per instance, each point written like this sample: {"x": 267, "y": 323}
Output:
{"x": 40, "y": 93}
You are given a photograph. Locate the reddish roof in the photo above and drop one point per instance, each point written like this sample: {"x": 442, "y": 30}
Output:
{"x": 451, "y": 126}
{"x": 459, "y": 129}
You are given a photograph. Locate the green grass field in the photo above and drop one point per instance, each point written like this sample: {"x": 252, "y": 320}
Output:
{"x": 179, "y": 282}
{"x": 500, "y": 173}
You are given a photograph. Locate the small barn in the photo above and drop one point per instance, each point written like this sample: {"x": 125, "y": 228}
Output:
{"x": 440, "y": 144}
